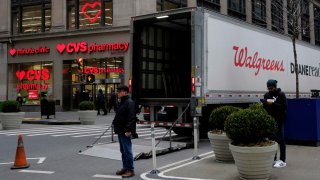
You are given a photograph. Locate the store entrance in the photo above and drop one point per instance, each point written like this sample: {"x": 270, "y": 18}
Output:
{"x": 89, "y": 92}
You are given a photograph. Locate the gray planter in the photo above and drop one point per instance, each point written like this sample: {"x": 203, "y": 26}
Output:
{"x": 11, "y": 120}
{"x": 87, "y": 117}
{"x": 254, "y": 162}
{"x": 220, "y": 145}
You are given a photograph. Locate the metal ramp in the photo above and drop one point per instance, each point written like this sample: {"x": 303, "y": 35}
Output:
{"x": 141, "y": 149}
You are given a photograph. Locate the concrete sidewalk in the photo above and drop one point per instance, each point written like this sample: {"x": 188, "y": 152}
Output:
{"x": 61, "y": 118}
{"x": 303, "y": 163}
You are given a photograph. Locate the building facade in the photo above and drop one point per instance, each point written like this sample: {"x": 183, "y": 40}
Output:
{"x": 65, "y": 50}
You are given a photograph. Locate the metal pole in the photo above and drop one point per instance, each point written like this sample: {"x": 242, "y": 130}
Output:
{"x": 112, "y": 140}
{"x": 195, "y": 135}
{"x": 170, "y": 139}
{"x": 154, "y": 158}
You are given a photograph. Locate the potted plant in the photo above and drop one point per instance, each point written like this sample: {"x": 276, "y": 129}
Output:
{"x": 218, "y": 139}
{"x": 87, "y": 114}
{"x": 11, "y": 117}
{"x": 253, "y": 152}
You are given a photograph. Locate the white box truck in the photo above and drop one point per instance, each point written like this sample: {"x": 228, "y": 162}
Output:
{"x": 209, "y": 59}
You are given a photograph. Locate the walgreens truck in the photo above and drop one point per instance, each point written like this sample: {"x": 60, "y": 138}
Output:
{"x": 186, "y": 62}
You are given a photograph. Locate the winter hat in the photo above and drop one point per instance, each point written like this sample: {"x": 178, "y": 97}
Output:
{"x": 123, "y": 88}
{"x": 272, "y": 83}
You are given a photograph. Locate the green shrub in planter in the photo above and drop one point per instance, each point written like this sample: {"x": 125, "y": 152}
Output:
{"x": 219, "y": 115}
{"x": 250, "y": 126}
{"x": 257, "y": 106}
{"x": 86, "y": 105}
{"x": 10, "y": 106}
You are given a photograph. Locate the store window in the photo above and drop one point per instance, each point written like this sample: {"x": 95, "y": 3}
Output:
{"x": 33, "y": 81}
{"x": 317, "y": 25}
{"x": 259, "y": 13}
{"x": 31, "y": 16}
{"x": 237, "y": 8}
{"x": 163, "y": 5}
{"x": 277, "y": 15}
{"x": 84, "y": 14}
{"x": 107, "y": 73}
{"x": 305, "y": 23}
{"x": 210, "y": 4}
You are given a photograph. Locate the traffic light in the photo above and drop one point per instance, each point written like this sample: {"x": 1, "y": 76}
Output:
{"x": 90, "y": 78}
{"x": 80, "y": 64}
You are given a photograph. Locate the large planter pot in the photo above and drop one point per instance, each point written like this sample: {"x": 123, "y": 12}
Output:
{"x": 220, "y": 145}
{"x": 11, "y": 120}
{"x": 254, "y": 162}
{"x": 87, "y": 117}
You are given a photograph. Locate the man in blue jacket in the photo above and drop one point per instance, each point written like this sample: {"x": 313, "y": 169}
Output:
{"x": 276, "y": 106}
{"x": 124, "y": 125}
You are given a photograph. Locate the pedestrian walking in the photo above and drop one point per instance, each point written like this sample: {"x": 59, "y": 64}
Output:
{"x": 276, "y": 105}
{"x": 101, "y": 102}
{"x": 113, "y": 101}
{"x": 19, "y": 99}
{"x": 124, "y": 125}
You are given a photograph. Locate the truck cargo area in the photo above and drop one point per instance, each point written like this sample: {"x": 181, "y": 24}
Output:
{"x": 162, "y": 57}
{"x": 162, "y": 65}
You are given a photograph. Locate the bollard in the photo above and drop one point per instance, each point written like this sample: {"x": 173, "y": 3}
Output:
{"x": 170, "y": 138}
{"x": 195, "y": 135}
{"x": 112, "y": 140}
{"x": 154, "y": 158}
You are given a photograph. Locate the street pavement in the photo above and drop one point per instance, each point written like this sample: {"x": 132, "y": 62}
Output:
{"x": 303, "y": 162}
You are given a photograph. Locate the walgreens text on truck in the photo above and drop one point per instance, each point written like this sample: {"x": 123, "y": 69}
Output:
{"x": 228, "y": 61}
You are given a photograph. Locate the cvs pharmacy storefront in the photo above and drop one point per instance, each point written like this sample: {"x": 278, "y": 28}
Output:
{"x": 67, "y": 69}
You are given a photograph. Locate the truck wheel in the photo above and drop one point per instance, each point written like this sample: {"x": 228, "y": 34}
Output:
{"x": 182, "y": 131}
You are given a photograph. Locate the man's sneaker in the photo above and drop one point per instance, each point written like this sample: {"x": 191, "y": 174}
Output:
{"x": 280, "y": 164}
{"x": 120, "y": 172}
{"x": 275, "y": 162}
{"x": 128, "y": 174}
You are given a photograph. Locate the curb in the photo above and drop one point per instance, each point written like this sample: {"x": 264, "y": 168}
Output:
{"x": 51, "y": 122}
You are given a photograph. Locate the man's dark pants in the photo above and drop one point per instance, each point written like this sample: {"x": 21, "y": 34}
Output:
{"x": 126, "y": 152}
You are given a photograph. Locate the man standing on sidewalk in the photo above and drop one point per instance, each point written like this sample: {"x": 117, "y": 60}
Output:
{"x": 124, "y": 125}
{"x": 276, "y": 105}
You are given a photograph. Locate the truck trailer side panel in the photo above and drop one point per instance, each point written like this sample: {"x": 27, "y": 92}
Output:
{"x": 241, "y": 57}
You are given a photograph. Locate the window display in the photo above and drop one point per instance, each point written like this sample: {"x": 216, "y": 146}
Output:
{"x": 31, "y": 17}
{"x": 84, "y": 14}
{"x": 33, "y": 81}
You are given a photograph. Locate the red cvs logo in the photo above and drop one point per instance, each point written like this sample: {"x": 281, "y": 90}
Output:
{"x": 89, "y": 7}
{"x": 12, "y": 51}
{"x": 72, "y": 47}
{"x": 31, "y": 75}
{"x": 61, "y": 48}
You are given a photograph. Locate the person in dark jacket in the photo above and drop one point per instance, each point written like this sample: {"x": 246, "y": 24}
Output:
{"x": 101, "y": 102}
{"x": 124, "y": 125}
{"x": 276, "y": 105}
{"x": 113, "y": 101}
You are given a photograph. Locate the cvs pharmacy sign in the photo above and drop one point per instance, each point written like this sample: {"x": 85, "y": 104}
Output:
{"x": 84, "y": 47}
{"x": 31, "y": 74}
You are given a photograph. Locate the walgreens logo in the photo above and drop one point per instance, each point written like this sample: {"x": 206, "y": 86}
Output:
{"x": 242, "y": 58}
{"x": 84, "y": 47}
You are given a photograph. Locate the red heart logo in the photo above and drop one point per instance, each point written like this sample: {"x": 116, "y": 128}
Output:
{"x": 91, "y": 5}
{"x": 61, "y": 48}
{"x": 12, "y": 51}
{"x": 20, "y": 74}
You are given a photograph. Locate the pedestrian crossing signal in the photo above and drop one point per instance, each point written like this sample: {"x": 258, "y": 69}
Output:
{"x": 90, "y": 78}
